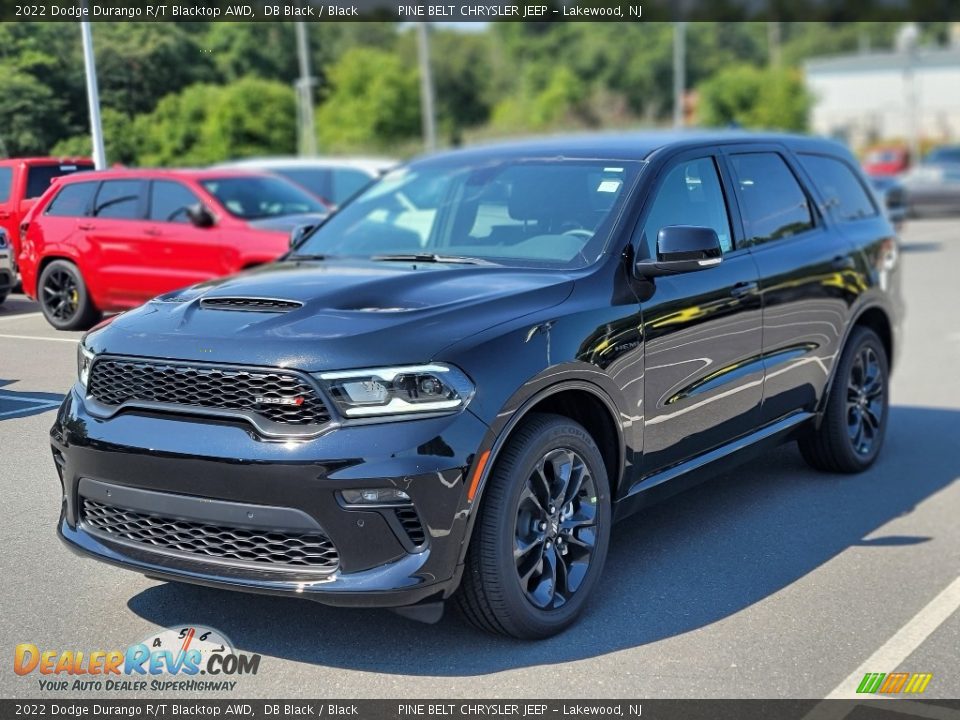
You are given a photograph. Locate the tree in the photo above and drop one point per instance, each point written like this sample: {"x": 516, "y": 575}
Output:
{"x": 755, "y": 98}
{"x": 119, "y": 140}
{"x": 208, "y": 123}
{"x": 374, "y": 100}
{"x": 29, "y": 114}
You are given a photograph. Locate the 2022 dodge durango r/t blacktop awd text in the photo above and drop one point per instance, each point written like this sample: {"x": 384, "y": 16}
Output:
{"x": 455, "y": 385}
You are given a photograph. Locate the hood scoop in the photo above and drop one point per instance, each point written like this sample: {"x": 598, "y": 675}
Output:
{"x": 250, "y": 304}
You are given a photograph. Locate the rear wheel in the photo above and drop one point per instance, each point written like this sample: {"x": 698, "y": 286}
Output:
{"x": 541, "y": 537}
{"x": 854, "y": 422}
{"x": 3, "y": 296}
{"x": 64, "y": 299}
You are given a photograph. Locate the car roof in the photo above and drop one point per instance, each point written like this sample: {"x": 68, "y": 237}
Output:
{"x": 45, "y": 161}
{"x": 630, "y": 145}
{"x": 371, "y": 165}
{"x": 159, "y": 173}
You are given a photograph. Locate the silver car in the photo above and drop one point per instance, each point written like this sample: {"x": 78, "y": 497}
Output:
{"x": 8, "y": 266}
{"x": 933, "y": 189}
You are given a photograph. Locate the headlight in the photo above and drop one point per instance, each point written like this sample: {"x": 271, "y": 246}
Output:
{"x": 84, "y": 361}
{"x": 398, "y": 390}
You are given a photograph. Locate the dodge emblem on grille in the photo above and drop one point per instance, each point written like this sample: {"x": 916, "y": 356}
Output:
{"x": 279, "y": 401}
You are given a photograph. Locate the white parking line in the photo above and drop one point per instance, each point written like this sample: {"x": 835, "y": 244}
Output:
{"x": 38, "y": 337}
{"x": 899, "y": 647}
{"x": 21, "y": 316}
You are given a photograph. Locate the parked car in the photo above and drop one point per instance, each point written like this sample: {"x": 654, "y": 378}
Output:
{"x": 892, "y": 196}
{"x": 112, "y": 240}
{"x": 891, "y": 160}
{"x": 8, "y": 268}
{"x": 944, "y": 154}
{"x": 933, "y": 188}
{"x": 398, "y": 413}
{"x": 23, "y": 180}
{"x": 334, "y": 179}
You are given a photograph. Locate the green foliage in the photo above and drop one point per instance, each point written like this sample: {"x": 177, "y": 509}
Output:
{"x": 208, "y": 123}
{"x": 373, "y": 100}
{"x": 26, "y": 101}
{"x": 751, "y": 97}
{"x": 118, "y": 139}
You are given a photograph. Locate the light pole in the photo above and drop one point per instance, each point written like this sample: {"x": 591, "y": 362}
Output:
{"x": 305, "y": 122}
{"x": 907, "y": 39}
{"x": 426, "y": 89}
{"x": 93, "y": 98}
{"x": 679, "y": 71}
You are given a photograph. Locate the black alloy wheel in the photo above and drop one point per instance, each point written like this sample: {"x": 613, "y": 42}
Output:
{"x": 541, "y": 535}
{"x": 556, "y": 530}
{"x": 854, "y": 421}
{"x": 64, "y": 299}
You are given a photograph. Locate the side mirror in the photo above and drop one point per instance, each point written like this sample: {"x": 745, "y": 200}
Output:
{"x": 683, "y": 248}
{"x": 298, "y": 234}
{"x": 200, "y": 216}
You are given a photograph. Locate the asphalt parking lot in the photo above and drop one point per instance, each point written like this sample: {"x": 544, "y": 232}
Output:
{"x": 770, "y": 581}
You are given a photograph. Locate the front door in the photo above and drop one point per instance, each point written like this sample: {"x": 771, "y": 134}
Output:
{"x": 703, "y": 371}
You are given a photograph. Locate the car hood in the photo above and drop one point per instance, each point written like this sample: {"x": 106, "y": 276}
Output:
{"x": 286, "y": 223}
{"x": 345, "y": 314}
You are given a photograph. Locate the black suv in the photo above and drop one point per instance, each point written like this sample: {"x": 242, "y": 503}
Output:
{"x": 456, "y": 384}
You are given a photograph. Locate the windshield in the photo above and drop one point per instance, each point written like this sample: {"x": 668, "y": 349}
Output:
{"x": 253, "y": 198}
{"x": 540, "y": 212}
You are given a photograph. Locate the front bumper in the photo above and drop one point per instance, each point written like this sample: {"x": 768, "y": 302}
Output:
{"x": 206, "y": 471}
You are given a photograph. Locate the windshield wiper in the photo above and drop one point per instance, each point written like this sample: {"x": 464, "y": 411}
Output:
{"x": 430, "y": 258}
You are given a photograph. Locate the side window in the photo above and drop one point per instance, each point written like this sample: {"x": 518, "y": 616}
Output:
{"x": 6, "y": 180}
{"x": 773, "y": 204}
{"x": 119, "y": 200}
{"x": 842, "y": 189}
{"x": 347, "y": 183}
{"x": 690, "y": 194}
{"x": 169, "y": 201}
{"x": 73, "y": 200}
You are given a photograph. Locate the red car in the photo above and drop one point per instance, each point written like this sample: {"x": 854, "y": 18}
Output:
{"x": 112, "y": 240}
{"x": 886, "y": 161}
{"x": 23, "y": 180}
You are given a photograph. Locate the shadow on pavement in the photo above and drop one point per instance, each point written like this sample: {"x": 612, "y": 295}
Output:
{"x": 696, "y": 559}
{"x": 23, "y": 404}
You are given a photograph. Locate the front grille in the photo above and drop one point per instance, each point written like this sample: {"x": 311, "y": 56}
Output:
{"x": 411, "y": 524}
{"x": 277, "y": 396}
{"x": 250, "y": 304}
{"x": 300, "y": 550}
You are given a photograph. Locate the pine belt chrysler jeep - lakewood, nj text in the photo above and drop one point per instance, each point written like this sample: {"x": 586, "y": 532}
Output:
{"x": 456, "y": 384}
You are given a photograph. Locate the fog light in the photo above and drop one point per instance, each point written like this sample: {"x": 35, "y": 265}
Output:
{"x": 374, "y": 496}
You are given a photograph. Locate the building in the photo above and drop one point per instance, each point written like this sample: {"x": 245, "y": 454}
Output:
{"x": 876, "y": 96}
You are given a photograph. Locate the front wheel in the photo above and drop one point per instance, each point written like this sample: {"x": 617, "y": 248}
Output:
{"x": 64, "y": 299}
{"x": 541, "y": 537}
{"x": 854, "y": 421}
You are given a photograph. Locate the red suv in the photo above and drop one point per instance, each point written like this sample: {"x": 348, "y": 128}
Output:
{"x": 112, "y": 240}
{"x": 23, "y": 180}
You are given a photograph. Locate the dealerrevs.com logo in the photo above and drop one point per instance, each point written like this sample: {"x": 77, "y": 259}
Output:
{"x": 177, "y": 659}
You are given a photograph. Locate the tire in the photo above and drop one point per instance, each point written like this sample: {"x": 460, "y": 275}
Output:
{"x": 854, "y": 421}
{"x": 64, "y": 299}
{"x": 569, "y": 544}
{"x": 3, "y": 297}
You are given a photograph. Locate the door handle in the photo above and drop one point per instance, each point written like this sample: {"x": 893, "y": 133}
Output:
{"x": 4, "y": 215}
{"x": 843, "y": 262}
{"x": 152, "y": 231}
{"x": 742, "y": 289}
{"x": 86, "y": 226}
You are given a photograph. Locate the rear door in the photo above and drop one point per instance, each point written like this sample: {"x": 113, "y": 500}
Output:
{"x": 117, "y": 232}
{"x": 808, "y": 278}
{"x": 7, "y": 204}
{"x": 703, "y": 372}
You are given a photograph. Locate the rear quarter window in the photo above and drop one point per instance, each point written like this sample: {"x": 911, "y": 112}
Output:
{"x": 842, "y": 190}
{"x": 39, "y": 176}
{"x": 73, "y": 200}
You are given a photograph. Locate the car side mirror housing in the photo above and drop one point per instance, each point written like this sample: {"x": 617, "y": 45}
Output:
{"x": 200, "y": 216}
{"x": 682, "y": 249}
{"x": 298, "y": 234}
